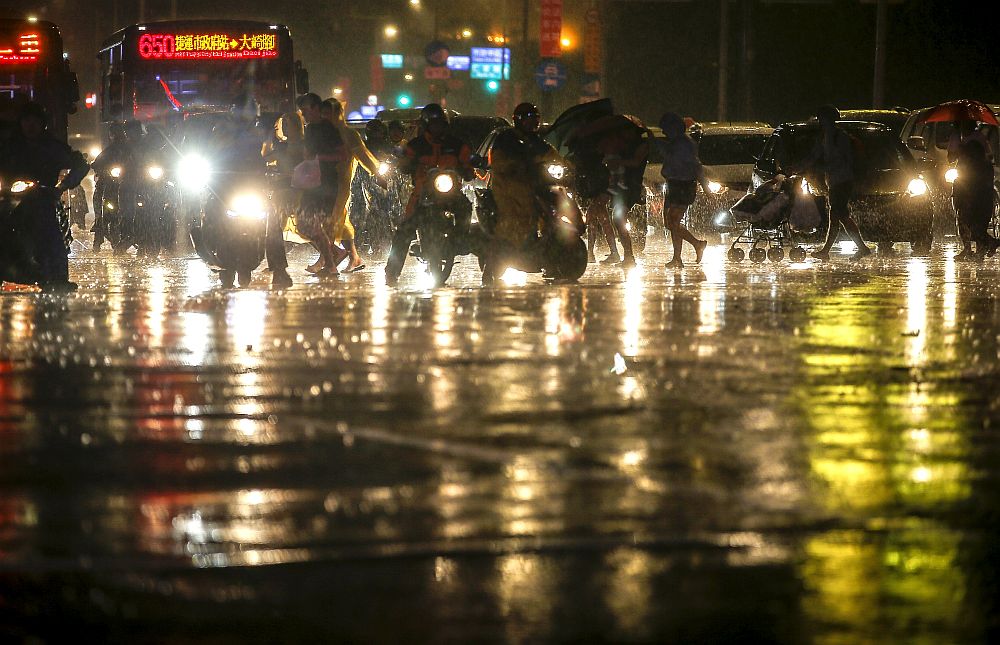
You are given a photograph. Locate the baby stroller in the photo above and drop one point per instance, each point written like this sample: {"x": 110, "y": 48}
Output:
{"x": 768, "y": 219}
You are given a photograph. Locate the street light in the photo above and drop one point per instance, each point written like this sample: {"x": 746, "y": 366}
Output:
{"x": 391, "y": 31}
{"x": 566, "y": 42}
{"x": 414, "y": 3}
{"x": 466, "y": 33}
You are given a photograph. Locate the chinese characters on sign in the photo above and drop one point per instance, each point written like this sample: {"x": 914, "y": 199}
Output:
{"x": 593, "y": 42}
{"x": 198, "y": 46}
{"x": 490, "y": 63}
{"x": 29, "y": 47}
{"x": 550, "y": 38}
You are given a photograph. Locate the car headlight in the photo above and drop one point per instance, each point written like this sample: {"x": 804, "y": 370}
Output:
{"x": 193, "y": 172}
{"x": 116, "y": 172}
{"x": 556, "y": 170}
{"x": 94, "y": 152}
{"x": 917, "y": 187}
{"x": 154, "y": 172}
{"x": 951, "y": 175}
{"x": 21, "y": 186}
{"x": 806, "y": 187}
{"x": 444, "y": 183}
{"x": 384, "y": 168}
{"x": 247, "y": 205}
{"x": 715, "y": 187}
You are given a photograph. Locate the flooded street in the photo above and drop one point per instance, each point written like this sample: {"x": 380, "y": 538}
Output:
{"x": 731, "y": 453}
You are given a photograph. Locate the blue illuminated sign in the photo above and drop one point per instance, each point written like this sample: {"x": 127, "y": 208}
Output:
{"x": 459, "y": 63}
{"x": 392, "y": 61}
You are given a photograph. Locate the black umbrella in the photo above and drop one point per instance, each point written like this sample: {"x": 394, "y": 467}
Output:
{"x": 575, "y": 117}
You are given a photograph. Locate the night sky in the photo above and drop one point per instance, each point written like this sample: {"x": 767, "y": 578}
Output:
{"x": 663, "y": 55}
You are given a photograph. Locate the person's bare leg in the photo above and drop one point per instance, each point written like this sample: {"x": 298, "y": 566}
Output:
{"x": 831, "y": 239}
{"x": 673, "y": 218}
{"x": 591, "y": 239}
{"x": 600, "y": 209}
{"x": 352, "y": 250}
{"x": 621, "y": 226}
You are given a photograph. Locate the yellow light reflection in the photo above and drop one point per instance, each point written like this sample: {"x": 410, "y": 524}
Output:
{"x": 950, "y": 293}
{"x": 554, "y": 323}
{"x": 156, "y": 318}
{"x": 916, "y": 311}
{"x": 444, "y": 319}
{"x": 635, "y": 293}
{"x": 711, "y": 298}
{"x": 245, "y": 315}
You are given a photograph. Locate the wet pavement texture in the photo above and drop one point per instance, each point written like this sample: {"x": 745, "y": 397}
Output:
{"x": 731, "y": 453}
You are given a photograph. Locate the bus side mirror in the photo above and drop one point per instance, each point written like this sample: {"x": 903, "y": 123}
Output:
{"x": 916, "y": 143}
{"x": 301, "y": 78}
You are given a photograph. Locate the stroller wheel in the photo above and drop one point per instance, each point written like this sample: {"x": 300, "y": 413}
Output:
{"x": 736, "y": 254}
{"x": 758, "y": 255}
{"x": 776, "y": 254}
{"x": 798, "y": 254}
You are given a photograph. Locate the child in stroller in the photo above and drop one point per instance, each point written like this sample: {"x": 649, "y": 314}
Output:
{"x": 768, "y": 219}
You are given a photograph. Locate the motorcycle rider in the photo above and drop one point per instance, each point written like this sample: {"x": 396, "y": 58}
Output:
{"x": 516, "y": 156}
{"x": 33, "y": 154}
{"x": 433, "y": 147}
{"x": 116, "y": 154}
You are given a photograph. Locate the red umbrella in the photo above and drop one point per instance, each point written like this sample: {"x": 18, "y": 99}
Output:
{"x": 961, "y": 110}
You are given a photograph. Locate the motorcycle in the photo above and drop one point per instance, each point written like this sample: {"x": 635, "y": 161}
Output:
{"x": 107, "y": 208}
{"x": 442, "y": 223}
{"x": 230, "y": 234}
{"x": 155, "y": 223}
{"x": 558, "y": 249}
{"x": 23, "y": 203}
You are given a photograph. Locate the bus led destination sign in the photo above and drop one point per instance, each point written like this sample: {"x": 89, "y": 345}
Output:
{"x": 207, "y": 46}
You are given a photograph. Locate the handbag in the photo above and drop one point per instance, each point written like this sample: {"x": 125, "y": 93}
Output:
{"x": 307, "y": 176}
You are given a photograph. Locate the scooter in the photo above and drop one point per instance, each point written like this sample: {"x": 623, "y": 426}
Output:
{"x": 230, "y": 234}
{"x": 23, "y": 204}
{"x": 442, "y": 214}
{"x": 558, "y": 249}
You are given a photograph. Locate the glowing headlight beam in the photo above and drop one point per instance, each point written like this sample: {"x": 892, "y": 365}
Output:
{"x": 951, "y": 175}
{"x": 116, "y": 172}
{"x": 917, "y": 187}
{"x": 193, "y": 172}
{"x": 21, "y": 186}
{"x": 154, "y": 172}
{"x": 715, "y": 187}
{"x": 444, "y": 183}
{"x": 249, "y": 206}
{"x": 556, "y": 171}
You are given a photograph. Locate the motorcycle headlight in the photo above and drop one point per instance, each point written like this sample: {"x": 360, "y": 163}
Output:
{"x": 444, "y": 183}
{"x": 917, "y": 187}
{"x": 556, "y": 170}
{"x": 154, "y": 172}
{"x": 247, "y": 205}
{"x": 951, "y": 175}
{"x": 384, "y": 168}
{"x": 715, "y": 187}
{"x": 21, "y": 186}
{"x": 95, "y": 152}
{"x": 193, "y": 172}
{"x": 807, "y": 189}
{"x": 116, "y": 172}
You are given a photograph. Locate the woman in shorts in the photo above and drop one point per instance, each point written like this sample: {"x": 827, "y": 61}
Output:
{"x": 683, "y": 171}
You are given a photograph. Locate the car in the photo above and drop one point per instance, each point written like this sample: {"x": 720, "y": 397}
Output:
{"x": 894, "y": 118}
{"x": 891, "y": 201}
{"x": 472, "y": 129}
{"x": 928, "y": 142}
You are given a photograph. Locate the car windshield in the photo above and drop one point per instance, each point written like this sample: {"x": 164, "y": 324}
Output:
{"x": 726, "y": 149}
{"x": 188, "y": 85}
{"x": 876, "y": 150}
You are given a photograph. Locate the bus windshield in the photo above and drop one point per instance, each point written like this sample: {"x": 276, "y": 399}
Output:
{"x": 192, "y": 86}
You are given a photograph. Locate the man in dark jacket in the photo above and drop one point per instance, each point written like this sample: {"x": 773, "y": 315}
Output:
{"x": 33, "y": 154}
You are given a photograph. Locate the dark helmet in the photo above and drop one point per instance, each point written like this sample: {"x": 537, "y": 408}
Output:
{"x": 116, "y": 132}
{"x": 828, "y": 112}
{"x": 526, "y": 111}
{"x": 34, "y": 110}
{"x": 376, "y": 128}
{"x": 432, "y": 112}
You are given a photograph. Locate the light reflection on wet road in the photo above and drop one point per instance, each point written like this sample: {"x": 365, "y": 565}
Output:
{"x": 802, "y": 454}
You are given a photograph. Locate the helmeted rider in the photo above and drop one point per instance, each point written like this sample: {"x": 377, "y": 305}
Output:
{"x": 516, "y": 158}
{"x": 33, "y": 154}
{"x": 115, "y": 155}
{"x": 434, "y": 147}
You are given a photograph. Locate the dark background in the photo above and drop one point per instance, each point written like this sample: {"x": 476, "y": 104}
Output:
{"x": 660, "y": 55}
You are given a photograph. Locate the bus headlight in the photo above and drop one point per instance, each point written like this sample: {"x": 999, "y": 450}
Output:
{"x": 556, "y": 170}
{"x": 193, "y": 172}
{"x": 116, "y": 172}
{"x": 21, "y": 186}
{"x": 154, "y": 172}
{"x": 715, "y": 187}
{"x": 444, "y": 183}
{"x": 917, "y": 187}
{"x": 247, "y": 205}
{"x": 951, "y": 175}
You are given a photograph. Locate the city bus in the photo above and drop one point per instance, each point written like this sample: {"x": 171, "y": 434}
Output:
{"x": 163, "y": 72}
{"x": 34, "y": 68}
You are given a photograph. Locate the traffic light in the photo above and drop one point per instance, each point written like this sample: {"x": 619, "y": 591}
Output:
{"x": 404, "y": 100}
{"x": 493, "y": 86}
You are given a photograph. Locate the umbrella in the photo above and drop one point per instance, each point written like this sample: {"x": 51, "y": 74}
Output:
{"x": 961, "y": 110}
{"x": 577, "y": 116}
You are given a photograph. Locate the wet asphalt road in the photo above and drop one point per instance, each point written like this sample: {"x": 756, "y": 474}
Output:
{"x": 795, "y": 454}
